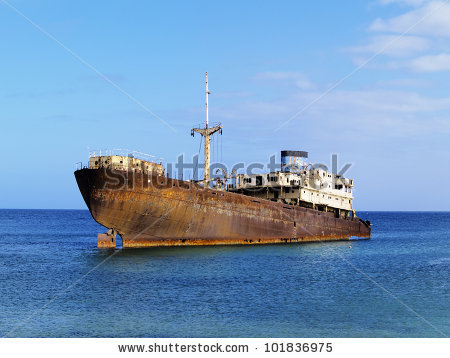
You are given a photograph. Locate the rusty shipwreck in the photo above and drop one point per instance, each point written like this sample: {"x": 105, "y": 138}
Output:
{"x": 132, "y": 196}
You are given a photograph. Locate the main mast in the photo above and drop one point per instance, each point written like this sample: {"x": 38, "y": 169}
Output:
{"x": 207, "y": 132}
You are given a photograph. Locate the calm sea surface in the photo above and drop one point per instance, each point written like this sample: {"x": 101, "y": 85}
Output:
{"x": 54, "y": 282}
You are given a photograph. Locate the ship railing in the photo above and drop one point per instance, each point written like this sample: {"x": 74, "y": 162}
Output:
{"x": 210, "y": 125}
{"x": 125, "y": 153}
{"x": 81, "y": 165}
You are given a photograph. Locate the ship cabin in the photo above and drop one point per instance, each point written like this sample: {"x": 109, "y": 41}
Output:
{"x": 125, "y": 160}
{"x": 299, "y": 183}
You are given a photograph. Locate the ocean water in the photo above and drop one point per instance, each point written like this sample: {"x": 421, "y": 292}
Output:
{"x": 54, "y": 282}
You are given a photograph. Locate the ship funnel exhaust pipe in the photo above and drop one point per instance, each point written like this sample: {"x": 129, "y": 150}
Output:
{"x": 293, "y": 160}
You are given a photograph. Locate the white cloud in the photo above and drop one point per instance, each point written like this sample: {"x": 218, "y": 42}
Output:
{"x": 394, "y": 45}
{"x": 404, "y": 82}
{"x": 297, "y": 78}
{"x": 366, "y": 113}
{"x": 387, "y": 101}
{"x": 403, "y": 2}
{"x": 432, "y": 19}
{"x": 428, "y": 26}
{"x": 430, "y": 63}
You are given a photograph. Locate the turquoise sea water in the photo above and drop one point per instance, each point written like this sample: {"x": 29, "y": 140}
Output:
{"x": 54, "y": 282}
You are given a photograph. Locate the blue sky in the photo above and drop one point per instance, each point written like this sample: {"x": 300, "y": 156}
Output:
{"x": 266, "y": 62}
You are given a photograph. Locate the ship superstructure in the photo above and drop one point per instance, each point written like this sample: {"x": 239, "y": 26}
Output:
{"x": 300, "y": 183}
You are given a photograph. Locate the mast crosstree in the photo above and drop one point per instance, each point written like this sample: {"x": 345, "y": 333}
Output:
{"x": 207, "y": 132}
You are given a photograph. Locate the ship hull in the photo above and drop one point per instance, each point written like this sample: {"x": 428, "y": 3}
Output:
{"x": 150, "y": 210}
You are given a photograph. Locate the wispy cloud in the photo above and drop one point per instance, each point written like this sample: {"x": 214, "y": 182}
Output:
{"x": 430, "y": 63}
{"x": 298, "y": 79}
{"x": 405, "y": 82}
{"x": 424, "y": 50}
{"x": 402, "y": 47}
{"x": 403, "y": 2}
{"x": 435, "y": 15}
{"x": 366, "y": 114}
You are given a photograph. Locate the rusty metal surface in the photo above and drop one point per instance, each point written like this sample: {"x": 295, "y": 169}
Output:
{"x": 150, "y": 210}
{"x": 107, "y": 240}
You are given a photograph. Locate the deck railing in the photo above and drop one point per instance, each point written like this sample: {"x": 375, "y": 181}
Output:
{"x": 125, "y": 153}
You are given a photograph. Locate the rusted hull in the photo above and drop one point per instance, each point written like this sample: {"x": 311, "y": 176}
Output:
{"x": 151, "y": 211}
